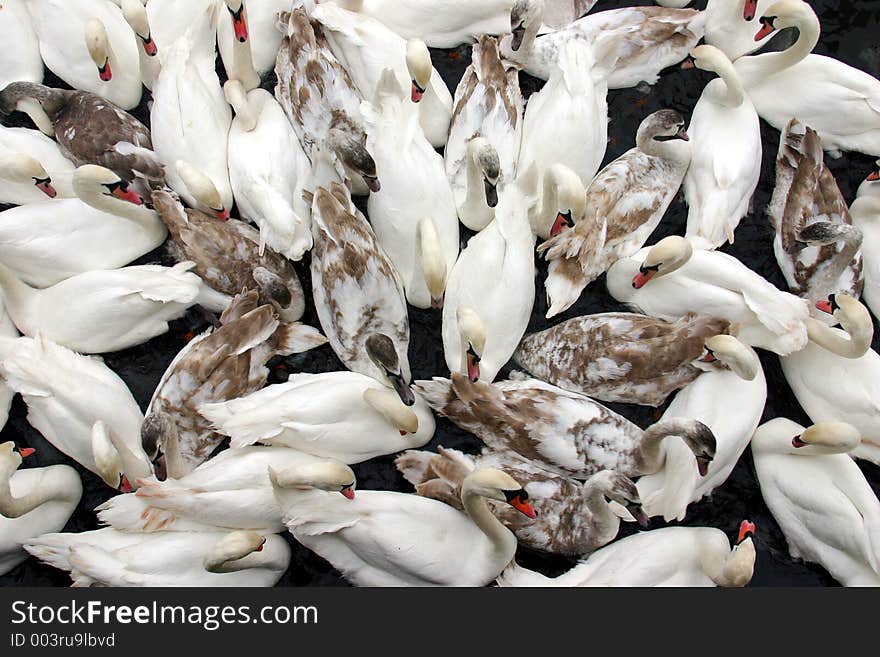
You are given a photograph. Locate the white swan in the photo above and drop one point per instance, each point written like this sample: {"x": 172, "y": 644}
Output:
{"x": 565, "y": 123}
{"x": 672, "y": 556}
{"x": 32, "y": 167}
{"x": 414, "y": 213}
{"x": 81, "y": 407}
{"x": 669, "y": 492}
{"x": 32, "y": 502}
{"x": 647, "y": 40}
{"x": 257, "y": 22}
{"x": 493, "y": 279}
{"x": 106, "y": 226}
{"x": 230, "y": 491}
{"x": 304, "y": 413}
{"x": 22, "y": 60}
{"x": 107, "y": 557}
{"x": 268, "y": 171}
{"x": 7, "y": 330}
{"x": 818, "y": 90}
{"x": 819, "y": 497}
{"x": 485, "y": 134}
{"x": 190, "y": 118}
{"x": 865, "y": 215}
{"x": 107, "y": 310}
{"x": 386, "y": 538}
{"x": 366, "y": 47}
{"x": 672, "y": 279}
{"x": 89, "y": 46}
{"x": 135, "y": 14}
{"x": 725, "y": 153}
{"x": 837, "y": 375}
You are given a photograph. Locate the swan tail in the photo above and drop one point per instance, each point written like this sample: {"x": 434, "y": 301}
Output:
{"x": 296, "y": 339}
{"x": 515, "y": 575}
{"x": 132, "y": 512}
{"x": 53, "y": 549}
{"x": 232, "y": 418}
{"x": 436, "y": 392}
{"x": 241, "y": 305}
{"x": 564, "y": 285}
{"x": 91, "y": 564}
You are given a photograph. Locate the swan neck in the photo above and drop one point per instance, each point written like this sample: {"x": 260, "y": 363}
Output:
{"x": 849, "y": 343}
{"x": 735, "y": 94}
{"x": 16, "y": 507}
{"x": 119, "y": 208}
{"x": 224, "y": 563}
{"x": 475, "y": 198}
{"x": 478, "y": 510}
{"x": 16, "y": 292}
{"x": 244, "y": 109}
{"x": 808, "y": 37}
{"x": 594, "y": 500}
{"x": 549, "y": 200}
{"x": 650, "y": 457}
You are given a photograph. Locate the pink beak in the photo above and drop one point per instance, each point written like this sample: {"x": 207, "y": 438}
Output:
{"x": 104, "y": 72}
{"x": 128, "y": 195}
{"x": 45, "y": 186}
{"x": 417, "y": 93}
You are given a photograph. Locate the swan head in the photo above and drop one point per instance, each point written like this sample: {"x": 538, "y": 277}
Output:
{"x": 420, "y": 67}
{"x": 488, "y": 163}
{"x": 389, "y": 406}
{"x": 525, "y": 15}
{"x": 135, "y": 14}
{"x": 10, "y": 458}
{"x": 786, "y": 13}
{"x": 663, "y": 133}
{"x": 500, "y": 486}
{"x": 98, "y": 45}
{"x": 381, "y": 350}
{"x": 25, "y": 170}
{"x": 571, "y": 198}
{"x": 669, "y": 254}
{"x": 740, "y": 564}
{"x": 238, "y": 13}
{"x": 855, "y": 320}
{"x": 91, "y": 179}
{"x": 708, "y": 58}
{"x": 473, "y": 339}
{"x": 433, "y": 261}
{"x": 355, "y": 156}
{"x": 732, "y": 353}
{"x": 327, "y": 475}
{"x": 108, "y": 462}
{"x": 870, "y": 188}
{"x": 874, "y": 176}
{"x": 701, "y": 441}
{"x": 621, "y": 489}
{"x": 202, "y": 188}
{"x": 232, "y": 547}
{"x": 827, "y": 438}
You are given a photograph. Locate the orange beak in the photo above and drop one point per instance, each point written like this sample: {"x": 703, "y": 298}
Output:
{"x": 150, "y": 46}
{"x": 642, "y": 278}
{"x": 127, "y": 194}
{"x": 750, "y": 10}
{"x": 523, "y": 507}
{"x": 124, "y": 485}
{"x": 45, "y": 186}
{"x": 473, "y": 367}
{"x": 766, "y": 29}
{"x": 104, "y": 71}
{"x": 239, "y": 24}
{"x": 874, "y": 176}
{"x": 222, "y": 214}
{"x": 562, "y": 222}
{"x": 746, "y": 529}
{"x": 26, "y": 451}
{"x": 825, "y": 306}
{"x": 417, "y": 92}
{"x": 708, "y": 358}
{"x": 348, "y": 492}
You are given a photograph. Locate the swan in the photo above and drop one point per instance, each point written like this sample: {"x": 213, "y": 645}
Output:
{"x": 672, "y": 556}
{"x": 107, "y": 557}
{"x": 218, "y": 365}
{"x": 90, "y": 47}
{"x": 267, "y": 170}
{"x": 647, "y": 40}
{"x": 92, "y": 130}
{"x": 22, "y": 60}
{"x": 865, "y": 215}
{"x": 386, "y": 538}
{"x": 557, "y": 203}
{"x": 105, "y": 226}
{"x": 107, "y": 310}
{"x": 323, "y": 106}
{"x": 574, "y": 518}
{"x": 414, "y": 213}
{"x": 733, "y": 422}
{"x": 825, "y": 507}
{"x": 818, "y": 90}
{"x": 365, "y": 47}
{"x": 33, "y": 501}
{"x": 626, "y": 201}
{"x": 725, "y": 153}
{"x": 304, "y": 414}
{"x": 32, "y": 167}
{"x": 190, "y": 118}
{"x": 816, "y": 245}
{"x": 837, "y": 375}
{"x": 560, "y": 431}
{"x": 227, "y": 256}
{"x": 631, "y": 358}
{"x": 485, "y": 134}
{"x": 230, "y": 491}
{"x": 565, "y": 124}
{"x": 450, "y": 23}
{"x": 256, "y": 21}
{"x": 493, "y": 283}
{"x": 7, "y": 330}
{"x": 169, "y": 19}
{"x": 135, "y": 14}
{"x": 80, "y": 406}
{"x": 358, "y": 293}
{"x": 672, "y": 279}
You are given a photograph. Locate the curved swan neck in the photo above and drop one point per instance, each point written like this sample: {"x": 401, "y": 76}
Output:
{"x": 119, "y": 208}
{"x": 649, "y": 454}
{"x": 476, "y": 507}
{"x": 16, "y": 292}
{"x": 244, "y": 110}
{"x": 808, "y": 36}
{"x": 549, "y": 199}
{"x": 594, "y": 500}
{"x": 735, "y": 94}
{"x": 475, "y": 195}
{"x": 852, "y": 342}
{"x": 16, "y": 507}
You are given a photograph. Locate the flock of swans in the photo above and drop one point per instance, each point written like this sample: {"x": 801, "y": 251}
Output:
{"x": 238, "y": 183}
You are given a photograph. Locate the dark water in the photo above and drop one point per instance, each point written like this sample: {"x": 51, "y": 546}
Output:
{"x": 850, "y": 31}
